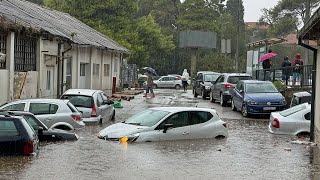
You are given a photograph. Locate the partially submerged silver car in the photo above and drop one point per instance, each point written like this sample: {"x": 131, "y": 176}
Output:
{"x": 54, "y": 113}
{"x": 93, "y": 104}
{"x": 292, "y": 121}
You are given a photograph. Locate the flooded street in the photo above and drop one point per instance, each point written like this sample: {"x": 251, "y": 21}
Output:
{"x": 250, "y": 152}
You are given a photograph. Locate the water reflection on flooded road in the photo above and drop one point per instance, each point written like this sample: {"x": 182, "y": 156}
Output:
{"x": 250, "y": 152}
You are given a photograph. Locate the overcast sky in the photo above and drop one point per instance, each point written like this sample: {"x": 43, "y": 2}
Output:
{"x": 252, "y": 8}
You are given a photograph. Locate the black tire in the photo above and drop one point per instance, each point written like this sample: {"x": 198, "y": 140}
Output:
{"x": 203, "y": 95}
{"x": 177, "y": 86}
{"x": 62, "y": 127}
{"x": 244, "y": 111}
{"x": 212, "y": 98}
{"x": 233, "y": 107}
{"x": 222, "y": 102}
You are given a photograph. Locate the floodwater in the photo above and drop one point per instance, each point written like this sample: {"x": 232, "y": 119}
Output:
{"x": 250, "y": 152}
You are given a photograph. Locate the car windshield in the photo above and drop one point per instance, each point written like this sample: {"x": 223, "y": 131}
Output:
{"x": 260, "y": 88}
{"x": 211, "y": 77}
{"x": 79, "y": 100}
{"x": 147, "y": 117}
{"x": 293, "y": 110}
{"x": 236, "y": 79}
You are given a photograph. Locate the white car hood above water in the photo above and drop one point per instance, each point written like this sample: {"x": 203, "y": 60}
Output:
{"x": 121, "y": 129}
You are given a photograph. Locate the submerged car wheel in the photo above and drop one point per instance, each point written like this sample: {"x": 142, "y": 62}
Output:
{"x": 211, "y": 98}
{"x": 154, "y": 86}
{"x": 177, "y": 86}
{"x": 244, "y": 111}
{"x": 222, "y": 102}
{"x": 233, "y": 107}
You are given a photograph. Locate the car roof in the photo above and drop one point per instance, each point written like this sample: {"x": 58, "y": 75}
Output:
{"x": 256, "y": 82}
{"x": 40, "y": 100}
{"x": 86, "y": 92}
{"x": 302, "y": 94}
{"x": 207, "y": 72}
{"x": 178, "y": 109}
{"x": 236, "y": 74}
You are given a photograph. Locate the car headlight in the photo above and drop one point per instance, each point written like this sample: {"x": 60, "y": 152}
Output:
{"x": 207, "y": 87}
{"x": 252, "y": 102}
{"x": 131, "y": 137}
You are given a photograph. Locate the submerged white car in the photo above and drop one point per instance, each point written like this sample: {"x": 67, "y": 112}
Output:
{"x": 168, "y": 123}
{"x": 292, "y": 121}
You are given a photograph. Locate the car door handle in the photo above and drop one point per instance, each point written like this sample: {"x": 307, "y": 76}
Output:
{"x": 49, "y": 119}
{"x": 185, "y": 133}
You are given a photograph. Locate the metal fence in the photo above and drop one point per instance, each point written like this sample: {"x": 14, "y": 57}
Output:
{"x": 289, "y": 76}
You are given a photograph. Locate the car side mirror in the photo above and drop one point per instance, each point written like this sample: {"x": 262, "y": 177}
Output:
{"x": 166, "y": 127}
{"x": 40, "y": 131}
{"x": 241, "y": 91}
{"x": 108, "y": 102}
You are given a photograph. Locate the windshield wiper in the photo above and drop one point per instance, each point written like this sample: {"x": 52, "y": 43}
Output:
{"x": 134, "y": 123}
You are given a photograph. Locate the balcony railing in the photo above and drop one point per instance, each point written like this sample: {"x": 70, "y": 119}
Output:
{"x": 290, "y": 76}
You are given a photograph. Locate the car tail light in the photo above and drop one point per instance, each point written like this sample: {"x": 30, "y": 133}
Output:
{"x": 276, "y": 123}
{"x": 225, "y": 125}
{"x": 94, "y": 111}
{"x": 76, "y": 118}
{"x": 28, "y": 147}
{"x": 228, "y": 86}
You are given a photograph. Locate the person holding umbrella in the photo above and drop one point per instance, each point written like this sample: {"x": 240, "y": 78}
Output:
{"x": 149, "y": 73}
{"x": 267, "y": 63}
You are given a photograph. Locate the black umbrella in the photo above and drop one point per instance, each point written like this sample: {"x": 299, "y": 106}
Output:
{"x": 151, "y": 71}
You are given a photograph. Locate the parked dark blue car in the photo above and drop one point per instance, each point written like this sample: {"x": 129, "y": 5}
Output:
{"x": 256, "y": 97}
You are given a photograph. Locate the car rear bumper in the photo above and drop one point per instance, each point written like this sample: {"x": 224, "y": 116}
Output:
{"x": 256, "y": 109}
{"x": 91, "y": 120}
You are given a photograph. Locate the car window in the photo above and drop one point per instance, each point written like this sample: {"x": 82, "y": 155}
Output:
{"x": 8, "y": 128}
{"x": 199, "y": 77}
{"x": 32, "y": 121}
{"x": 198, "y": 117}
{"x": 307, "y": 116}
{"x": 172, "y": 78}
{"x": 99, "y": 100}
{"x": 104, "y": 97}
{"x": 29, "y": 128}
{"x": 260, "y": 88}
{"x": 147, "y": 117}
{"x": 238, "y": 85}
{"x": 293, "y": 110}
{"x": 79, "y": 100}
{"x": 295, "y": 101}
{"x": 43, "y": 108}
{"x": 72, "y": 107}
{"x": 221, "y": 79}
{"x": 210, "y": 77}
{"x": 236, "y": 79}
{"x": 178, "y": 120}
{"x": 15, "y": 107}
{"x": 165, "y": 79}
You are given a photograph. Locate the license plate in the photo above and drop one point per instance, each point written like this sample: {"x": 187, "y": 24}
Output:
{"x": 269, "y": 108}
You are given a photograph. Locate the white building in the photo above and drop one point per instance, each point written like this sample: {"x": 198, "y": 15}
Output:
{"x": 48, "y": 52}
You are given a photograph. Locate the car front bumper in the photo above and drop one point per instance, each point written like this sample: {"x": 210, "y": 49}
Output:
{"x": 264, "y": 109}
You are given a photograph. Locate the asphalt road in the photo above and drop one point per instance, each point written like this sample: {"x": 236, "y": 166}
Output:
{"x": 250, "y": 152}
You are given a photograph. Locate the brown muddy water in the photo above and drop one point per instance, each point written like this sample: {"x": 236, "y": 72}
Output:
{"x": 250, "y": 152}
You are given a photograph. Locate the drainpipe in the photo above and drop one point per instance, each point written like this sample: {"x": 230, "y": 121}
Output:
{"x": 58, "y": 73}
{"x": 62, "y": 66}
{"x": 315, "y": 51}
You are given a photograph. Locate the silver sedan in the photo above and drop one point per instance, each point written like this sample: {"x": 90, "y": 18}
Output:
{"x": 54, "y": 113}
{"x": 293, "y": 121}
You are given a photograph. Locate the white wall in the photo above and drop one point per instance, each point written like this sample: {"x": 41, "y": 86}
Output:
{"x": 4, "y": 81}
{"x": 317, "y": 101}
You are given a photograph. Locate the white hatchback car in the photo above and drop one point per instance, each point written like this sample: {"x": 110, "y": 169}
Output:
{"x": 292, "y": 121}
{"x": 168, "y": 123}
{"x": 93, "y": 104}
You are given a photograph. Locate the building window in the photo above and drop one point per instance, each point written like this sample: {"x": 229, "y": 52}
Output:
{"x": 82, "y": 69}
{"x": 96, "y": 69}
{"x": 106, "y": 69}
{"x": 3, "y": 45}
{"x": 69, "y": 73}
{"x": 49, "y": 79}
{"x": 25, "y": 53}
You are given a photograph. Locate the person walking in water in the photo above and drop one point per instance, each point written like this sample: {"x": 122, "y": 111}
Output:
{"x": 185, "y": 79}
{"x": 285, "y": 71}
{"x": 149, "y": 85}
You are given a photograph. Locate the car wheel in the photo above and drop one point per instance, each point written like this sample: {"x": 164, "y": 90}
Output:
{"x": 195, "y": 93}
{"x": 222, "y": 102}
{"x": 154, "y": 86}
{"x": 203, "y": 95}
{"x": 177, "y": 86}
{"x": 244, "y": 111}
{"x": 233, "y": 107}
{"x": 212, "y": 98}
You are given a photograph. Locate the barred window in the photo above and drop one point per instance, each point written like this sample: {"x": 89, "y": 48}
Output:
{"x": 25, "y": 53}
{"x": 3, "y": 49}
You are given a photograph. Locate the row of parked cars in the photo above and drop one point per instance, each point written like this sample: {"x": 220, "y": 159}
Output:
{"x": 23, "y": 123}
{"x": 253, "y": 97}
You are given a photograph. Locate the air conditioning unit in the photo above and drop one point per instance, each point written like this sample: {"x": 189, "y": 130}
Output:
{"x": 2, "y": 57}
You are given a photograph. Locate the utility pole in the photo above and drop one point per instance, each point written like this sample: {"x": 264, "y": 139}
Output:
{"x": 238, "y": 31}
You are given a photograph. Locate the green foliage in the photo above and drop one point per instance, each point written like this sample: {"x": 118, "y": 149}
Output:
{"x": 279, "y": 85}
